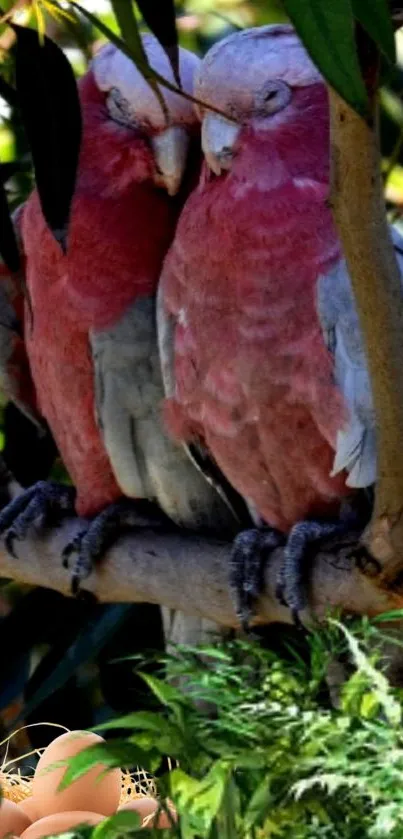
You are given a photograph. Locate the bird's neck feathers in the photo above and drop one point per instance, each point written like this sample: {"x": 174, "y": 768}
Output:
{"x": 293, "y": 145}
{"x": 279, "y": 181}
{"x": 113, "y": 157}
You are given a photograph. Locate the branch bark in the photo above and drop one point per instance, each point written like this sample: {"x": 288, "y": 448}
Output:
{"x": 186, "y": 572}
{"x": 359, "y": 210}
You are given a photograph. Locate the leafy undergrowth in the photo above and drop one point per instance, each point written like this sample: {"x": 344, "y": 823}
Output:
{"x": 257, "y": 749}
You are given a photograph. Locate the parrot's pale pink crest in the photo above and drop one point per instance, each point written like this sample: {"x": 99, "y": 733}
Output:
{"x": 122, "y": 223}
{"x": 254, "y": 379}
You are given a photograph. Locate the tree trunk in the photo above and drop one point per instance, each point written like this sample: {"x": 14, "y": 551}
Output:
{"x": 359, "y": 212}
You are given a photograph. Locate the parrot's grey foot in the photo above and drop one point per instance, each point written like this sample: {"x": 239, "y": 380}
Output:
{"x": 45, "y": 504}
{"x": 291, "y": 588}
{"x": 250, "y": 551}
{"x": 355, "y": 513}
{"x": 90, "y": 544}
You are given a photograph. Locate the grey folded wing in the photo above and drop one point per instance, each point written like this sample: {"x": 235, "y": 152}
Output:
{"x": 129, "y": 397}
{"x": 356, "y": 442}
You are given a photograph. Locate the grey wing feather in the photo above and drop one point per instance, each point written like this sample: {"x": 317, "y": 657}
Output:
{"x": 356, "y": 442}
{"x": 197, "y": 453}
{"x": 129, "y": 394}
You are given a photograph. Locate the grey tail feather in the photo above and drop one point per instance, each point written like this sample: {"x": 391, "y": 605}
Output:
{"x": 60, "y": 235}
{"x": 214, "y": 476}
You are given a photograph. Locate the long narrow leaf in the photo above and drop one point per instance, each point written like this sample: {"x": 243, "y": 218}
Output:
{"x": 375, "y": 18}
{"x": 327, "y": 29}
{"x": 128, "y": 26}
{"x": 148, "y": 72}
{"x": 50, "y": 109}
{"x": 125, "y": 17}
{"x": 117, "y": 825}
{"x": 161, "y": 19}
{"x": 121, "y": 753}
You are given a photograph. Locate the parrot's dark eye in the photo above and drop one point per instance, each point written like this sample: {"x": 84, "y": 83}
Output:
{"x": 273, "y": 97}
{"x": 119, "y": 109}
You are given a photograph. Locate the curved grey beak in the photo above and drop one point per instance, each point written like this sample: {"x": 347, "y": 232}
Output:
{"x": 170, "y": 153}
{"x": 218, "y": 137}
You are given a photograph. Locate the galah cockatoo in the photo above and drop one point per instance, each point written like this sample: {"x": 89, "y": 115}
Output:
{"x": 256, "y": 308}
{"x": 90, "y": 330}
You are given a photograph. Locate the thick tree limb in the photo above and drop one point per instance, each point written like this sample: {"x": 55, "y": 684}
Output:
{"x": 186, "y": 572}
{"x": 359, "y": 211}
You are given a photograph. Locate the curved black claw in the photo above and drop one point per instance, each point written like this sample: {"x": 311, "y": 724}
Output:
{"x": 250, "y": 550}
{"x": 45, "y": 504}
{"x": 355, "y": 513}
{"x": 90, "y": 544}
{"x": 291, "y": 582}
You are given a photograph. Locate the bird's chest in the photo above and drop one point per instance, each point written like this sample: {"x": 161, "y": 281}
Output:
{"x": 248, "y": 332}
{"x": 60, "y": 360}
{"x": 253, "y": 375}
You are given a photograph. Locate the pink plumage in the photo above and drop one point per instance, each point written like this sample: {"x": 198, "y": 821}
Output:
{"x": 253, "y": 377}
{"x": 121, "y": 227}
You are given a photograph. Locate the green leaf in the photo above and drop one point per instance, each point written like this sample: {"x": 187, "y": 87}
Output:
{"x": 375, "y": 18}
{"x": 128, "y": 26}
{"x": 79, "y": 831}
{"x": 249, "y": 759}
{"x": 124, "y": 822}
{"x": 183, "y": 786}
{"x": 166, "y": 694}
{"x": 205, "y": 652}
{"x": 147, "y": 71}
{"x": 327, "y": 29}
{"x": 259, "y": 804}
{"x": 161, "y": 19}
{"x": 379, "y": 683}
{"x": 205, "y": 797}
{"x": 131, "y": 44}
{"x": 168, "y": 737}
{"x": 144, "y": 720}
{"x": 228, "y": 815}
{"x": 115, "y": 753}
{"x": 393, "y": 615}
{"x": 369, "y": 705}
{"x": 50, "y": 109}
{"x": 138, "y": 56}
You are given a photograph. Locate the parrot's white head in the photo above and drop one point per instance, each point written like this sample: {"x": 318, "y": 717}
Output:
{"x": 131, "y": 102}
{"x": 255, "y": 77}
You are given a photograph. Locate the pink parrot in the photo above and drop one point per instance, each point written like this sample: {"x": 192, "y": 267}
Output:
{"x": 90, "y": 330}
{"x": 262, "y": 352}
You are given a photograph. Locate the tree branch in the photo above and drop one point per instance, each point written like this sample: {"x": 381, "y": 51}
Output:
{"x": 359, "y": 210}
{"x": 186, "y": 572}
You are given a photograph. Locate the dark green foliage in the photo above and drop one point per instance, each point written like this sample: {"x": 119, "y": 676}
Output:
{"x": 48, "y": 99}
{"x": 327, "y": 30}
{"x": 160, "y": 18}
{"x": 374, "y": 17}
{"x": 268, "y": 755}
